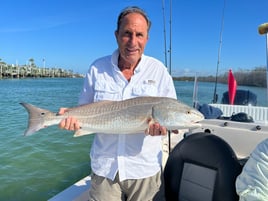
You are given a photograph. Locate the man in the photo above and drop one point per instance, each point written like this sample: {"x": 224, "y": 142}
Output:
{"x": 126, "y": 167}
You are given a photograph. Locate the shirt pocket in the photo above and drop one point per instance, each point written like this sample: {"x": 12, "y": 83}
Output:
{"x": 105, "y": 91}
{"x": 145, "y": 89}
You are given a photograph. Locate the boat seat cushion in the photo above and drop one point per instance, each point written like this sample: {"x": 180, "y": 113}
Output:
{"x": 202, "y": 167}
{"x": 197, "y": 179}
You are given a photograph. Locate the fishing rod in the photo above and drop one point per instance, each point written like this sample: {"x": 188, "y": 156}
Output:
{"x": 170, "y": 34}
{"x": 169, "y": 50}
{"x": 170, "y": 16}
{"x": 165, "y": 38}
{"x": 170, "y": 41}
{"x": 215, "y": 95}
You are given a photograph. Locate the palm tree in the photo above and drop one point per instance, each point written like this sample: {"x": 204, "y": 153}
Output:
{"x": 1, "y": 67}
{"x": 31, "y": 61}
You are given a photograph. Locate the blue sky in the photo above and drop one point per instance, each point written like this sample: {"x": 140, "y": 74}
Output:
{"x": 71, "y": 34}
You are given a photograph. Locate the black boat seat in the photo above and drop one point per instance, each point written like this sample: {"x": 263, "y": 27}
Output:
{"x": 202, "y": 167}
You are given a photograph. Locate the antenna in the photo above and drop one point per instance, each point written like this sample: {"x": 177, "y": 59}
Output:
{"x": 215, "y": 96}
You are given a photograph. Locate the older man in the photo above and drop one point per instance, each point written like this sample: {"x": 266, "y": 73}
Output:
{"x": 126, "y": 167}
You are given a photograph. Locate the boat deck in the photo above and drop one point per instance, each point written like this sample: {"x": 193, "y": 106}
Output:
{"x": 242, "y": 137}
{"x": 76, "y": 192}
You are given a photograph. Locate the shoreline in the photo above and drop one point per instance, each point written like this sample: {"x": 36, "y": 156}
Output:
{"x": 32, "y": 71}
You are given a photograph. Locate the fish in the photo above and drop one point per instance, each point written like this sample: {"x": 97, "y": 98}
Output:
{"x": 128, "y": 116}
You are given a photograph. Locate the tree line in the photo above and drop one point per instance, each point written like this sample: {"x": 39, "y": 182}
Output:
{"x": 255, "y": 77}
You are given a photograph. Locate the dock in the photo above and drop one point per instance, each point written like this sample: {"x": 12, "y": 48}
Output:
{"x": 32, "y": 71}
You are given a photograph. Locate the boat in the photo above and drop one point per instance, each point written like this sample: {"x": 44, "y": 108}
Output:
{"x": 236, "y": 134}
{"x": 249, "y": 132}
{"x": 242, "y": 125}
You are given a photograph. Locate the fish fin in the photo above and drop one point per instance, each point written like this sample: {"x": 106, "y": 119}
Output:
{"x": 36, "y": 119}
{"x": 82, "y": 132}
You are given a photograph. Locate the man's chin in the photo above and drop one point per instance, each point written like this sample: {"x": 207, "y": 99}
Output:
{"x": 133, "y": 58}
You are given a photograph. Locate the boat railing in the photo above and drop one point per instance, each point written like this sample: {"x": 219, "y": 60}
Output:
{"x": 258, "y": 113}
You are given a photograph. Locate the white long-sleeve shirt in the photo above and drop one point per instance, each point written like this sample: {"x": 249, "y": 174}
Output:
{"x": 252, "y": 183}
{"x": 133, "y": 156}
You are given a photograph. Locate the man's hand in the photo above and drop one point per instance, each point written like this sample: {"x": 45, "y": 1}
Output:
{"x": 156, "y": 129}
{"x": 70, "y": 123}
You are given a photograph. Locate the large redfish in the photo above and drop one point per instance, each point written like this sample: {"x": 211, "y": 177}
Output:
{"x": 119, "y": 117}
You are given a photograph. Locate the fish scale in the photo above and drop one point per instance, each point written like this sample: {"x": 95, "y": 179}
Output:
{"x": 136, "y": 114}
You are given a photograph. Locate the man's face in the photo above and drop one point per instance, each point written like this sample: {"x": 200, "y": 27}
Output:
{"x": 132, "y": 37}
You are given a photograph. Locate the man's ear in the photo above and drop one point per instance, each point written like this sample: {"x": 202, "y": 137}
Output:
{"x": 116, "y": 35}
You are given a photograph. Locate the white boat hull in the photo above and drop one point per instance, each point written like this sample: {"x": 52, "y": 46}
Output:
{"x": 77, "y": 192}
{"x": 242, "y": 137}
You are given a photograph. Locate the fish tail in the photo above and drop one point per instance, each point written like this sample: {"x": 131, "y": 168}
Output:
{"x": 36, "y": 118}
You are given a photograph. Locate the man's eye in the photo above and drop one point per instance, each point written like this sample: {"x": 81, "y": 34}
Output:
{"x": 127, "y": 33}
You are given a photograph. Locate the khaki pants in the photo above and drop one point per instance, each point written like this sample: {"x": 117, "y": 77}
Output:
{"x": 148, "y": 189}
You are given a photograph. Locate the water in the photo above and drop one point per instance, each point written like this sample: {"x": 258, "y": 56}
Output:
{"x": 39, "y": 166}
{"x": 206, "y": 91}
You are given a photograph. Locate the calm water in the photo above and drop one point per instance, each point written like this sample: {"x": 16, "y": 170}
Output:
{"x": 39, "y": 166}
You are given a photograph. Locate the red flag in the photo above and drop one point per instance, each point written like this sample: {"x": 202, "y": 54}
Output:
{"x": 231, "y": 87}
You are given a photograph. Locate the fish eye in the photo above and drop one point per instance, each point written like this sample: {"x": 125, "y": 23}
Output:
{"x": 42, "y": 113}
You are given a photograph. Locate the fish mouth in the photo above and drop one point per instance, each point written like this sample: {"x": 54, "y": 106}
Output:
{"x": 197, "y": 121}
{"x": 195, "y": 125}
